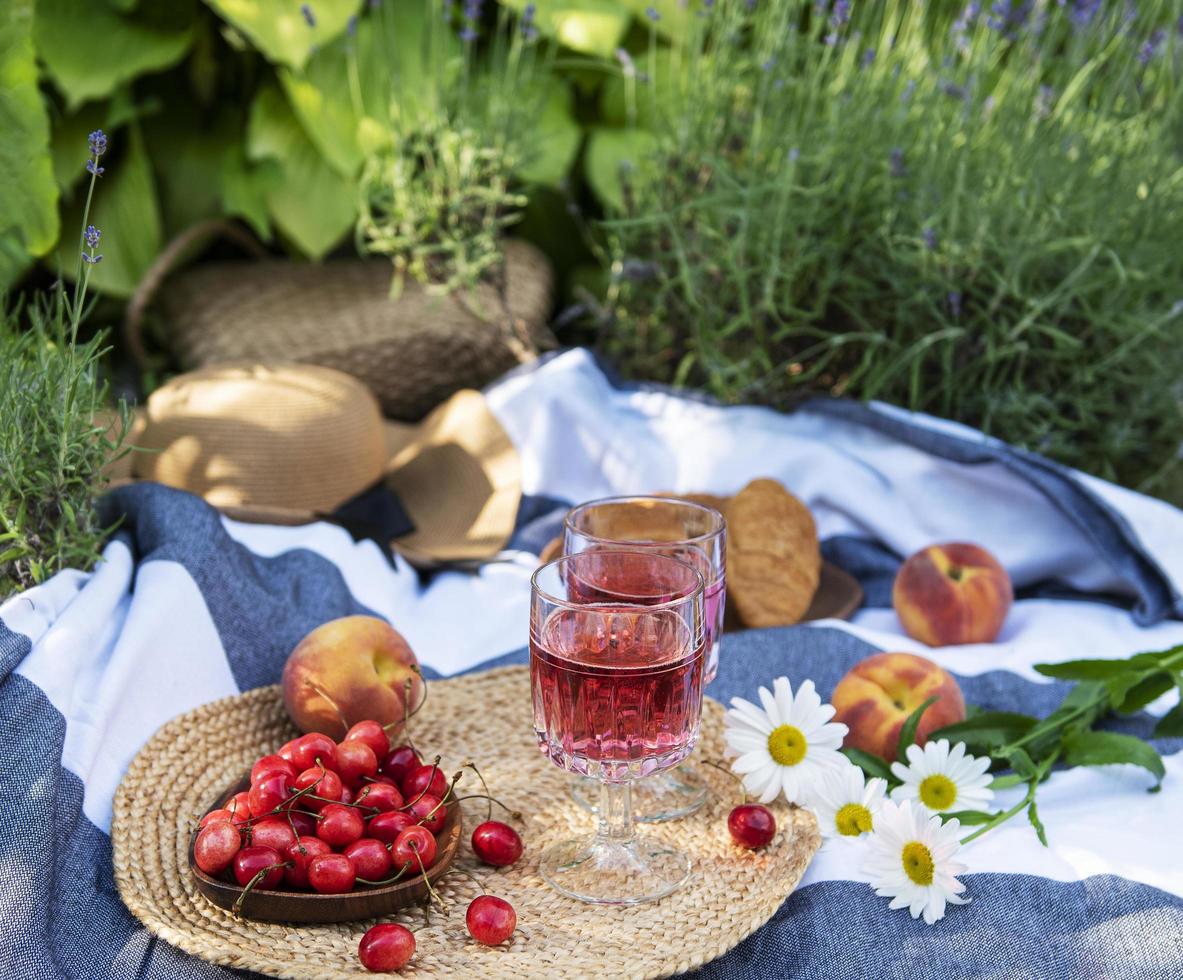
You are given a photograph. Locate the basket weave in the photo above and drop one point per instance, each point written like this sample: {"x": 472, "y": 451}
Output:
{"x": 411, "y": 352}
{"x": 485, "y": 718}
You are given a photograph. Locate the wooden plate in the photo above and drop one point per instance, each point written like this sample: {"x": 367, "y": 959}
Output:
{"x": 838, "y": 595}
{"x": 365, "y": 902}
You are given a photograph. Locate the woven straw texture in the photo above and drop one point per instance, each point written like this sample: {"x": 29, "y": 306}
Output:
{"x": 412, "y": 352}
{"x": 486, "y": 718}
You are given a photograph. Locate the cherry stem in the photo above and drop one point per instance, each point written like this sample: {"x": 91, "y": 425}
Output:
{"x": 332, "y": 704}
{"x": 485, "y": 786}
{"x": 743, "y": 790}
{"x": 408, "y": 715}
{"x": 387, "y": 881}
{"x": 259, "y": 876}
{"x": 427, "y": 881}
{"x": 423, "y": 792}
{"x": 431, "y": 813}
{"x": 516, "y": 814}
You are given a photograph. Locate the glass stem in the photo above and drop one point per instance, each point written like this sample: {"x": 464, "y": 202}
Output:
{"x": 616, "y": 813}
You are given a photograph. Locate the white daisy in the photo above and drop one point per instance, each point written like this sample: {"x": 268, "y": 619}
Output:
{"x": 846, "y": 802}
{"x": 910, "y": 860}
{"x": 943, "y": 779}
{"x": 786, "y": 746}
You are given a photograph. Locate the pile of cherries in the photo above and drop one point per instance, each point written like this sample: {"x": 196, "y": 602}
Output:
{"x": 332, "y": 816}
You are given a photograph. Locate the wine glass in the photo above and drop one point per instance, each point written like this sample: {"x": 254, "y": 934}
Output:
{"x": 690, "y": 532}
{"x": 616, "y": 669}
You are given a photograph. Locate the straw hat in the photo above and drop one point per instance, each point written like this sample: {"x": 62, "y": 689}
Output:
{"x": 290, "y": 444}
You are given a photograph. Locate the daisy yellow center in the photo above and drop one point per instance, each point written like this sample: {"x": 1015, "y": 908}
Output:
{"x": 852, "y": 820}
{"x": 787, "y": 745}
{"x": 938, "y": 792}
{"x": 918, "y": 862}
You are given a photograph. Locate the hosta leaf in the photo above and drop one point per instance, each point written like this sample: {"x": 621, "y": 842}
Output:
{"x": 590, "y": 26}
{"x": 553, "y": 140}
{"x": 278, "y": 27}
{"x": 611, "y": 154}
{"x": 126, "y": 210}
{"x": 28, "y": 193}
{"x": 89, "y": 48}
{"x": 245, "y": 186}
{"x": 1111, "y": 748}
{"x": 310, "y": 202}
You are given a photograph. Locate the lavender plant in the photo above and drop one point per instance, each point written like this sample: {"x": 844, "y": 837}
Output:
{"x": 56, "y": 431}
{"x": 972, "y": 210}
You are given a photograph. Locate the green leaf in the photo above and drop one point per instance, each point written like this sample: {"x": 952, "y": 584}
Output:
{"x": 278, "y": 28}
{"x": 1170, "y": 725}
{"x": 987, "y": 729}
{"x": 125, "y": 209}
{"x": 610, "y": 156}
{"x": 28, "y": 193}
{"x": 675, "y": 17}
{"x": 1086, "y": 670}
{"x": 554, "y": 138}
{"x": 192, "y": 153}
{"x": 1006, "y": 781}
{"x": 1022, "y": 764}
{"x": 1033, "y": 819}
{"x": 869, "y": 763}
{"x": 910, "y": 725}
{"x": 89, "y": 48}
{"x": 245, "y": 187}
{"x": 1129, "y": 698}
{"x": 968, "y": 818}
{"x": 310, "y": 202}
{"x": 1112, "y": 748}
{"x": 589, "y": 26}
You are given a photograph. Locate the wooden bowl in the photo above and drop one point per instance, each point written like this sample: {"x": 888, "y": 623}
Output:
{"x": 366, "y": 902}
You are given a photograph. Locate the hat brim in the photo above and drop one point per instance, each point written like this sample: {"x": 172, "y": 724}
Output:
{"x": 456, "y": 473}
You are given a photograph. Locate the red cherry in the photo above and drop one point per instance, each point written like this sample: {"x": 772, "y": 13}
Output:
{"x": 271, "y": 763}
{"x": 383, "y": 779}
{"x": 370, "y": 858}
{"x": 355, "y": 761}
{"x": 379, "y": 796}
{"x": 339, "y": 825}
{"x": 399, "y": 762}
{"x": 270, "y": 792}
{"x": 496, "y": 843}
{"x": 251, "y": 860}
{"x": 240, "y": 808}
{"x": 213, "y": 815}
{"x": 428, "y": 804}
{"x": 386, "y": 947}
{"x": 424, "y": 779}
{"x": 387, "y": 826}
{"x": 370, "y": 733}
{"x": 311, "y": 747}
{"x": 273, "y": 832}
{"x": 304, "y": 824}
{"x": 413, "y": 846}
{"x": 288, "y": 751}
{"x": 331, "y": 874}
{"x": 300, "y": 853}
{"x": 752, "y": 825}
{"x": 346, "y": 794}
{"x": 327, "y": 784}
{"x": 216, "y": 845}
{"x": 490, "y": 920}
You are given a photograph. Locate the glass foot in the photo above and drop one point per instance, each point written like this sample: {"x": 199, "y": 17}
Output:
{"x": 608, "y": 872}
{"x": 665, "y": 796}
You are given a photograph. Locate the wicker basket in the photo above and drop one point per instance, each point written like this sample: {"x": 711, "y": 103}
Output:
{"x": 411, "y": 352}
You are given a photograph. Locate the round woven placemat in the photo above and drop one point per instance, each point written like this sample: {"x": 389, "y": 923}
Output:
{"x": 486, "y": 718}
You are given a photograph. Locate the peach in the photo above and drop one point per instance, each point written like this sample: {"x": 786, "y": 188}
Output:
{"x": 952, "y": 593}
{"x": 878, "y": 694}
{"x": 348, "y": 670}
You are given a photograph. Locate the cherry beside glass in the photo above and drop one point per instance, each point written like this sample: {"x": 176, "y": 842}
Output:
{"x": 617, "y": 658}
{"x": 692, "y": 533}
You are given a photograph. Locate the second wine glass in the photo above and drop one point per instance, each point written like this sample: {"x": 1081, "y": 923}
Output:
{"x": 692, "y": 533}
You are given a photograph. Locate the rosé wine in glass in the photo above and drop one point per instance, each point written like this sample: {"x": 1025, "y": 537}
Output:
{"x": 616, "y": 670}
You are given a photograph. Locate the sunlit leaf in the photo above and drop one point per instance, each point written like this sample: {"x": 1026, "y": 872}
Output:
{"x": 279, "y": 29}
{"x": 553, "y": 139}
{"x": 610, "y": 156}
{"x": 590, "y": 26}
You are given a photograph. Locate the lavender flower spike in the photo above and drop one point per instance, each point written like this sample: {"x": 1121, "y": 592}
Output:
{"x": 653, "y": 14}
{"x": 91, "y": 236}
{"x": 897, "y": 162}
{"x": 98, "y": 142}
{"x": 309, "y": 16}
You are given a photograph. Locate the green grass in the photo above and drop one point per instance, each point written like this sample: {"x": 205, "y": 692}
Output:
{"x": 983, "y": 223}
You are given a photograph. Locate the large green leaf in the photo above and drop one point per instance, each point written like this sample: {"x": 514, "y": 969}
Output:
{"x": 590, "y": 26}
{"x": 189, "y": 153}
{"x": 310, "y": 202}
{"x": 1113, "y": 748}
{"x": 126, "y": 211}
{"x": 245, "y": 187}
{"x": 28, "y": 194}
{"x": 554, "y": 138}
{"x": 394, "y": 74}
{"x": 89, "y": 48}
{"x": 611, "y": 154}
{"x": 674, "y": 17}
{"x": 278, "y": 28}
